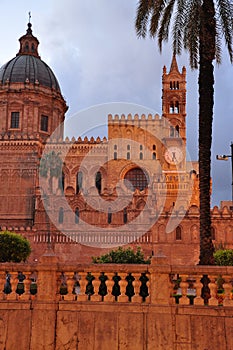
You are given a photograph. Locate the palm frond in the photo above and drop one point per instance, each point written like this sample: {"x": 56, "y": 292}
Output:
{"x": 165, "y": 23}
{"x": 218, "y": 44}
{"x": 192, "y": 31}
{"x": 225, "y": 26}
{"x": 178, "y": 26}
{"x": 142, "y": 16}
{"x": 157, "y": 13}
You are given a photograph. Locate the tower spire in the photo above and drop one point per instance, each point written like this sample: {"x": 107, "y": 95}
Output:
{"x": 174, "y": 65}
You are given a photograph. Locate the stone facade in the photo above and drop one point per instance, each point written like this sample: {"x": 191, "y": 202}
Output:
{"x": 88, "y": 195}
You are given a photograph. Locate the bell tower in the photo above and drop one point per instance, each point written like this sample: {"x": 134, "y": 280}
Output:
{"x": 174, "y": 99}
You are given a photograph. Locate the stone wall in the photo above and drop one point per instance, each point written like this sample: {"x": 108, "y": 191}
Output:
{"x": 76, "y": 319}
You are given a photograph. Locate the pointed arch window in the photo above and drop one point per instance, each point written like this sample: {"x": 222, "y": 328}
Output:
{"x": 178, "y": 233}
{"x": 109, "y": 215}
{"x": 77, "y": 215}
{"x": 61, "y": 181}
{"x": 61, "y": 216}
{"x": 98, "y": 181}
{"x": 125, "y": 216}
{"x": 79, "y": 181}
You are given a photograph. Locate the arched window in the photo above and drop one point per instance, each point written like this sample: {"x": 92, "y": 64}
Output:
{"x": 115, "y": 155}
{"x": 76, "y": 215}
{"x": 109, "y": 215}
{"x": 61, "y": 182}
{"x": 177, "y": 131}
{"x": 125, "y": 217}
{"x": 115, "y": 147}
{"x": 172, "y": 131}
{"x": 178, "y": 233}
{"x": 33, "y": 48}
{"x": 98, "y": 181}
{"x": 79, "y": 181}
{"x": 176, "y": 108}
{"x": 128, "y": 147}
{"x": 136, "y": 179}
{"x": 154, "y": 147}
{"x": 128, "y": 155}
{"x": 212, "y": 231}
{"x": 26, "y": 47}
{"x": 153, "y": 155}
{"x": 140, "y": 155}
{"x": 61, "y": 216}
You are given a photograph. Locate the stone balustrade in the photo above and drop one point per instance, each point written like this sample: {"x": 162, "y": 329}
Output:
{"x": 158, "y": 283}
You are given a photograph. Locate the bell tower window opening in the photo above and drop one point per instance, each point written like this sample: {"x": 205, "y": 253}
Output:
{"x": 136, "y": 179}
{"x": 44, "y": 122}
{"x": 176, "y": 108}
{"x": 14, "y": 120}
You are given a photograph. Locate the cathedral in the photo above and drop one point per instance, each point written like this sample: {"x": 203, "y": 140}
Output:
{"x": 84, "y": 196}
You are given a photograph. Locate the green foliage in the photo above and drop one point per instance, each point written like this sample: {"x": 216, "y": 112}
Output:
{"x": 122, "y": 256}
{"x": 224, "y": 257}
{"x": 13, "y": 247}
{"x": 51, "y": 164}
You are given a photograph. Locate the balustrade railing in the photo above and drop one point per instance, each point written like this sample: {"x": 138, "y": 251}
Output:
{"x": 157, "y": 283}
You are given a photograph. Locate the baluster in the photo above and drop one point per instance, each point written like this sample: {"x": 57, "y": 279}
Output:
{"x": 2, "y": 283}
{"x": 83, "y": 282}
{"x": 227, "y": 291}
{"x": 96, "y": 284}
{"x": 184, "y": 300}
{"x": 14, "y": 282}
{"x": 26, "y": 295}
{"x": 109, "y": 283}
{"x": 213, "y": 301}
{"x": 123, "y": 283}
{"x": 198, "y": 286}
{"x": 70, "y": 286}
{"x": 136, "y": 283}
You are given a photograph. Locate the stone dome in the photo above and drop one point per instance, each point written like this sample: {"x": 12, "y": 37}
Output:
{"x": 27, "y": 66}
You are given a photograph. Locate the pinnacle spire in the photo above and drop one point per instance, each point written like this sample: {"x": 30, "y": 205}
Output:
{"x": 174, "y": 66}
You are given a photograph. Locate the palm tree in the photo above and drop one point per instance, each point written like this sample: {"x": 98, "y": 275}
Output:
{"x": 197, "y": 26}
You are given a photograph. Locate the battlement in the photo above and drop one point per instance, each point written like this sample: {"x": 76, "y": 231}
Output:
{"x": 136, "y": 117}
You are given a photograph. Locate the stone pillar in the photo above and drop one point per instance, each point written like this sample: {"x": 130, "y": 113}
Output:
{"x": 160, "y": 285}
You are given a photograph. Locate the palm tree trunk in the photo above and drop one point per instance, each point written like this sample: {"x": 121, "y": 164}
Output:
{"x": 206, "y": 103}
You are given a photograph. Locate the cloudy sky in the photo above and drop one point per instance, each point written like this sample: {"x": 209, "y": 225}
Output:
{"x": 92, "y": 48}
